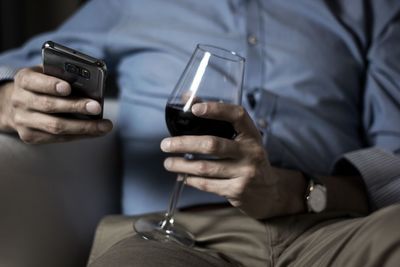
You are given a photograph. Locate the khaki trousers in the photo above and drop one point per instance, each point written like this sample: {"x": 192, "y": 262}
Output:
{"x": 226, "y": 237}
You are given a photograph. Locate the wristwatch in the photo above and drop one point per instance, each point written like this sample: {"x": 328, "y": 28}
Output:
{"x": 316, "y": 195}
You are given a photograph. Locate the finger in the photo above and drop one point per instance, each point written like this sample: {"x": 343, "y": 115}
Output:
{"x": 60, "y": 126}
{"x": 191, "y": 97}
{"x": 205, "y": 168}
{"x": 216, "y": 186}
{"x": 206, "y": 145}
{"x": 51, "y": 104}
{"x": 237, "y": 115}
{"x": 32, "y": 80}
{"x": 34, "y": 137}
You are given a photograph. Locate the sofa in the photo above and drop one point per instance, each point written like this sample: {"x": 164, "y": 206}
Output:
{"x": 53, "y": 196}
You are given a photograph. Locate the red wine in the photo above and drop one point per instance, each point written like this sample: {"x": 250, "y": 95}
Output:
{"x": 185, "y": 123}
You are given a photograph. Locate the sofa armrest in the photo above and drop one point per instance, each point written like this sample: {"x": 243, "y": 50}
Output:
{"x": 52, "y": 197}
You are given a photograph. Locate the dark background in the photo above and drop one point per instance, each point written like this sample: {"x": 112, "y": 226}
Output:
{"x": 22, "y": 19}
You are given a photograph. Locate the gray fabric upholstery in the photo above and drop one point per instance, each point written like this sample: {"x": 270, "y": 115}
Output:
{"x": 52, "y": 197}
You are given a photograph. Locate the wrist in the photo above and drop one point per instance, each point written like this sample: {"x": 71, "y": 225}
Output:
{"x": 5, "y": 110}
{"x": 294, "y": 187}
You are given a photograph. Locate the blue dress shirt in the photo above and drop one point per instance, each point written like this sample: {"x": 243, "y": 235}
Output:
{"x": 323, "y": 77}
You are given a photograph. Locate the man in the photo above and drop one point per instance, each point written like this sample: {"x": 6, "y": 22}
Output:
{"x": 322, "y": 85}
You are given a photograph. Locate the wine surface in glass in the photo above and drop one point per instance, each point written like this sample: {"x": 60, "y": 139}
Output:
{"x": 180, "y": 122}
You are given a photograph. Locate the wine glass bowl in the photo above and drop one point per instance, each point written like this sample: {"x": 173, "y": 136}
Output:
{"x": 212, "y": 74}
{"x": 180, "y": 122}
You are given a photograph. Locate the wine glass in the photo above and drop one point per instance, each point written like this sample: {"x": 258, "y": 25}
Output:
{"x": 213, "y": 74}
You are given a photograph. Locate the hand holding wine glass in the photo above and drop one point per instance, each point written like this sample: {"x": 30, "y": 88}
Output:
{"x": 212, "y": 75}
{"x": 242, "y": 174}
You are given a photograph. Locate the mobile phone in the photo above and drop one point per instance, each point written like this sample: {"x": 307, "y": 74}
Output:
{"x": 85, "y": 74}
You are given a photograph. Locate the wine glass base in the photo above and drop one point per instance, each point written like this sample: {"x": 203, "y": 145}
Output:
{"x": 150, "y": 229}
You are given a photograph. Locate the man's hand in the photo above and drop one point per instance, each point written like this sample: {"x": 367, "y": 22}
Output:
{"x": 28, "y": 106}
{"x": 242, "y": 172}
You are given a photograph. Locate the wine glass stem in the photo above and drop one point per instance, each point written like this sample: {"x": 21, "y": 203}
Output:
{"x": 176, "y": 193}
{"x": 168, "y": 220}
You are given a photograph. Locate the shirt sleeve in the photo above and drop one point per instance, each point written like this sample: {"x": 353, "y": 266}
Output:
{"x": 90, "y": 36}
{"x": 7, "y": 73}
{"x": 379, "y": 164}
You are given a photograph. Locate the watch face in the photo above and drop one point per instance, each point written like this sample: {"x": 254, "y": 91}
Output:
{"x": 317, "y": 198}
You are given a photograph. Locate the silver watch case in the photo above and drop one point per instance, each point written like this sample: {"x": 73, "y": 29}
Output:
{"x": 316, "y": 198}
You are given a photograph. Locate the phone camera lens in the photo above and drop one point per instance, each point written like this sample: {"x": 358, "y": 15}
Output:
{"x": 71, "y": 68}
{"x": 85, "y": 73}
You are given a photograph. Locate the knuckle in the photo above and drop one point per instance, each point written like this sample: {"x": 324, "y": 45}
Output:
{"x": 18, "y": 119}
{"x": 203, "y": 168}
{"x": 16, "y": 102}
{"x": 176, "y": 144}
{"x": 203, "y": 185}
{"x": 54, "y": 127}
{"x": 27, "y": 137}
{"x": 258, "y": 154}
{"x": 47, "y": 105}
{"x": 77, "y": 106}
{"x": 18, "y": 75}
{"x": 250, "y": 172}
{"x": 210, "y": 145}
{"x": 240, "y": 113}
{"x": 90, "y": 128}
{"x": 22, "y": 77}
{"x": 237, "y": 189}
{"x": 221, "y": 169}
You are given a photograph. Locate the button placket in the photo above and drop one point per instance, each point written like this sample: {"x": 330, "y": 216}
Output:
{"x": 264, "y": 112}
{"x": 262, "y": 123}
{"x": 252, "y": 39}
{"x": 254, "y": 56}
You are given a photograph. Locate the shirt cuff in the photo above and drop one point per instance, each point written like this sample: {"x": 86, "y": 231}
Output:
{"x": 380, "y": 171}
{"x": 7, "y": 73}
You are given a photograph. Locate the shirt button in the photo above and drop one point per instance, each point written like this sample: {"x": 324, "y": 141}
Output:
{"x": 262, "y": 123}
{"x": 252, "y": 39}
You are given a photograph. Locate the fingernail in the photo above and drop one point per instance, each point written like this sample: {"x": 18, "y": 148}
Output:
{"x": 93, "y": 107}
{"x": 165, "y": 144}
{"x": 167, "y": 163}
{"x": 105, "y": 126}
{"x": 62, "y": 88}
{"x": 199, "y": 109}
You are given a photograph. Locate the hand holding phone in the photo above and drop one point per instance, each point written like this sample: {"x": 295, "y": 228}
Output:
{"x": 31, "y": 106}
{"x": 85, "y": 74}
